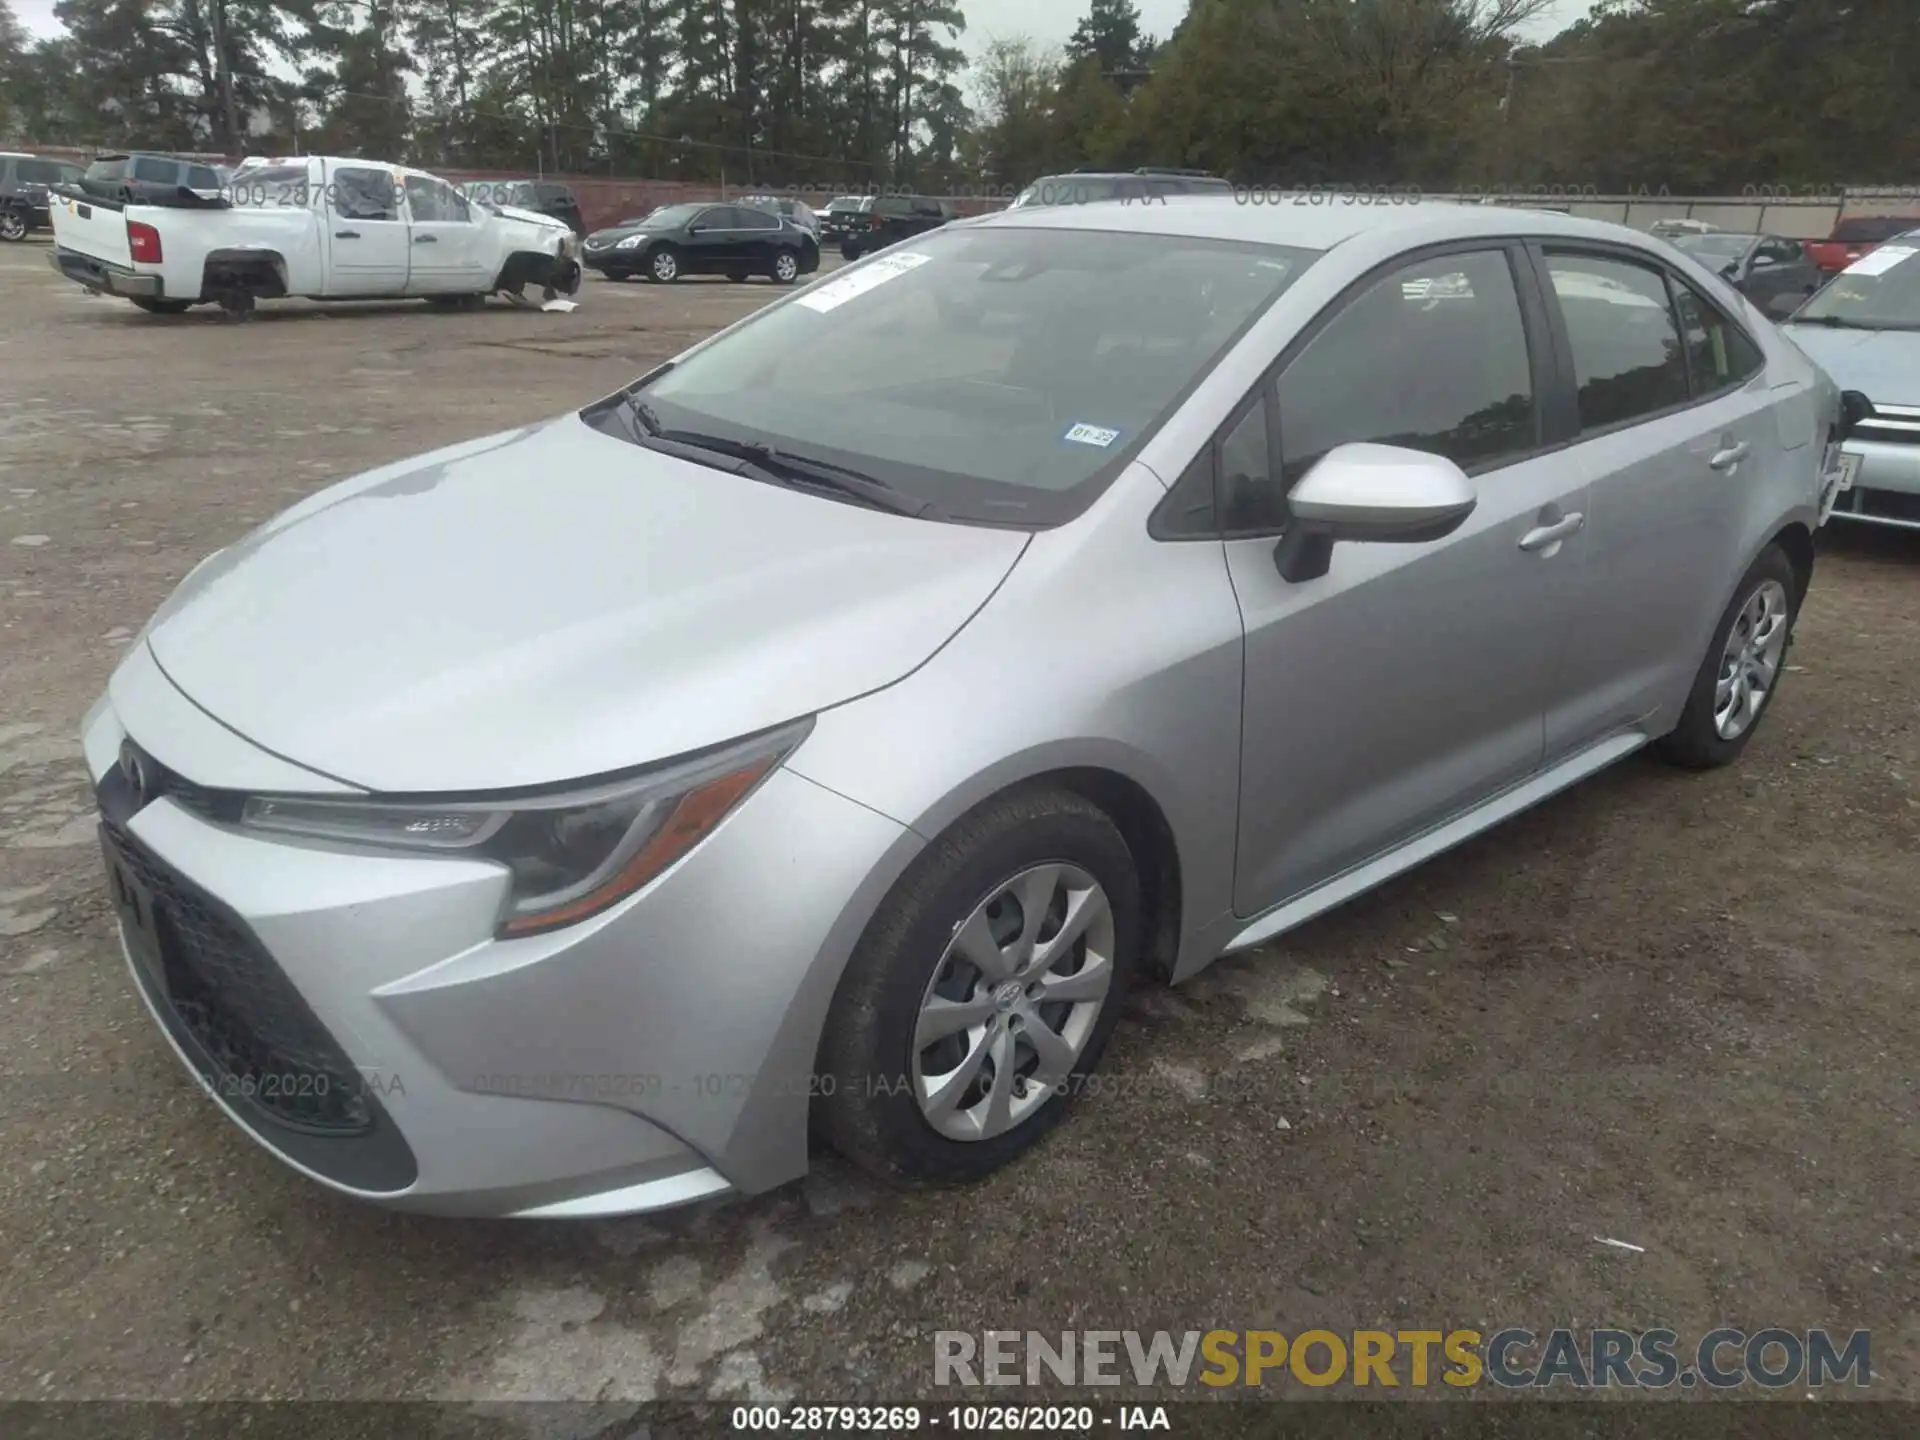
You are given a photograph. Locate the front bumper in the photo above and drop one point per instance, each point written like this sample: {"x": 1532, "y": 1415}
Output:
{"x": 99, "y": 275}
{"x": 656, "y": 1054}
{"x": 1887, "y": 489}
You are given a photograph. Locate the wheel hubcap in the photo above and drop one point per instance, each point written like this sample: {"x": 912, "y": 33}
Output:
{"x": 12, "y": 226}
{"x": 663, "y": 266}
{"x": 1013, "y": 1002}
{"x": 786, "y": 267}
{"x": 1750, "y": 660}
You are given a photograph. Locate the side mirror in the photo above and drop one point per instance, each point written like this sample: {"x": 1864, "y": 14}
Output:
{"x": 1855, "y": 408}
{"x": 1378, "y": 494}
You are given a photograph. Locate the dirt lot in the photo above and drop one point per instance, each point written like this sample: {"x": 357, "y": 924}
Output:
{"x": 1678, "y": 1011}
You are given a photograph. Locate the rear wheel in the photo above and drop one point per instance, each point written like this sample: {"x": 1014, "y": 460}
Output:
{"x": 1743, "y": 668}
{"x": 981, "y": 996}
{"x": 13, "y": 223}
{"x": 786, "y": 268}
{"x": 159, "y": 307}
{"x": 236, "y": 305}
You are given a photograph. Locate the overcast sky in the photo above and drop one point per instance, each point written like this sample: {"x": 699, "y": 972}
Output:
{"x": 1045, "y": 20}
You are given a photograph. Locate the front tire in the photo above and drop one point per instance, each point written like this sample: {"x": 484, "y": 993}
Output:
{"x": 1743, "y": 668}
{"x": 663, "y": 266}
{"x": 983, "y": 992}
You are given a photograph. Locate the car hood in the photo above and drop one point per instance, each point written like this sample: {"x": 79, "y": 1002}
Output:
{"x": 1884, "y": 365}
{"x": 555, "y": 603}
{"x": 533, "y": 217}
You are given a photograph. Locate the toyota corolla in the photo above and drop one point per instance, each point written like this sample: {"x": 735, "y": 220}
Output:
{"x": 578, "y": 820}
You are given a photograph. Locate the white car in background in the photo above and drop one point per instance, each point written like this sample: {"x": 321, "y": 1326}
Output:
{"x": 315, "y": 227}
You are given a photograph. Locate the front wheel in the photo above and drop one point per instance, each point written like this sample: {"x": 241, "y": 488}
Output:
{"x": 663, "y": 267}
{"x": 1743, "y": 668}
{"x": 977, "y": 1004}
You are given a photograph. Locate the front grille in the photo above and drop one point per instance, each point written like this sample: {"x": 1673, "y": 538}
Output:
{"x": 266, "y": 1049}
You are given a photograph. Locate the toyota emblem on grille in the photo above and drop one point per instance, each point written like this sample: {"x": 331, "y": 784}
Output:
{"x": 135, "y": 769}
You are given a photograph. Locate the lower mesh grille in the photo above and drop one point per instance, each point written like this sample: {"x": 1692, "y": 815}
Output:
{"x": 266, "y": 1047}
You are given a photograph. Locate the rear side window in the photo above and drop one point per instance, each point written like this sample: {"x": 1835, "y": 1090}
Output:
{"x": 159, "y": 172}
{"x": 1719, "y": 354}
{"x": 108, "y": 170}
{"x": 202, "y": 177}
{"x": 1627, "y": 356}
{"x": 1872, "y": 229}
{"x": 1431, "y": 357}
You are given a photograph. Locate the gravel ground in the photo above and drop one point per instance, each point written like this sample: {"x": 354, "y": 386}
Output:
{"x": 1673, "y": 1010}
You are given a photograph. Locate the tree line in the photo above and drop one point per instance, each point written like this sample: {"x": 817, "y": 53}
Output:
{"x": 1697, "y": 96}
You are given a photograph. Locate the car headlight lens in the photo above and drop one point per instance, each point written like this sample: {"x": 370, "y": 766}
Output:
{"x": 629, "y": 242}
{"x": 571, "y": 854}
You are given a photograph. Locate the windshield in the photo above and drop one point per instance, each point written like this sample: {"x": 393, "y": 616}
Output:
{"x": 1714, "y": 247}
{"x": 1881, "y": 292}
{"x": 669, "y": 217}
{"x": 1004, "y": 375}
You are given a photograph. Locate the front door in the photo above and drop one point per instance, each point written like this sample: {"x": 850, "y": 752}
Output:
{"x": 1409, "y": 682}
{"x": 367, "y": 241}
{"x": 447, "y": 254}
{"x": 713, "y": 242}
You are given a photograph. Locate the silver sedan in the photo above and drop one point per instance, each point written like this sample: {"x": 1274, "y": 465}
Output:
{"x": 575, "y": 820}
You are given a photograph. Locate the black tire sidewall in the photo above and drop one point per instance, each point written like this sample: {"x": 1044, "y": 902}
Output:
{"x": 1696, "y": 742}
{"x": 871, "y": 1114}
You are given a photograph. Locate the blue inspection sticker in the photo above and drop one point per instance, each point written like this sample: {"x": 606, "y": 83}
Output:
{"x": 1092, "y": 435}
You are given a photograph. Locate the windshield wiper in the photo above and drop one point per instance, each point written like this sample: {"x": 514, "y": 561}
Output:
{"x": 788, "y": 469}
{"x": 1833, "y": 322}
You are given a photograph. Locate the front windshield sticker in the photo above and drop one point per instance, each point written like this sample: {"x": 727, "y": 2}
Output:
{"x": 1092, "y": 435}
{"x": 1882, "y": 260}
{"x": 836, "y": 292}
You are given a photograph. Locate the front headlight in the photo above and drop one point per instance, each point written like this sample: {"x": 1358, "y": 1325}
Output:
{"x": 629, "y": 242}
{"x": 571, "y": 854}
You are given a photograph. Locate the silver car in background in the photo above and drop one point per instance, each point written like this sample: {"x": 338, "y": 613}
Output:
{"x": 572, "y": 821}
{"x": 1863, "y": 328}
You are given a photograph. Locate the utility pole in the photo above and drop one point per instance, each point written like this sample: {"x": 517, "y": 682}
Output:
{"x": 223, "y": 75}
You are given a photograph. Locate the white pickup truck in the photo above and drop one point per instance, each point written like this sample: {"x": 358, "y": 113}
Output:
{"x": 315, "y": 227}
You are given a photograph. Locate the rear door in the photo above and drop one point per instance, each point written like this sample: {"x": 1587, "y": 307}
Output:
{"x": 445, "y": 237}
{"x": 368, "y": 243}
{"x": 757, "y": 232}
{"x": 714, "y": 242}
{"x": 1673, "y": 418}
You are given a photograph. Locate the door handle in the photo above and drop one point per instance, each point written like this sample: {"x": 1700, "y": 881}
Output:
{"x": 426, "y": 239}
{"x": 346, "y": 234}
{"x": 1541, "y": 536}
{"x": 1731, "y": 456}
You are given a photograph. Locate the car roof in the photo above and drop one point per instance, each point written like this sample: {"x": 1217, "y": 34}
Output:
{"x": 1309, "y": 227}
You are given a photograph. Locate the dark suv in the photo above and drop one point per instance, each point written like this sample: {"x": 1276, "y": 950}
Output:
{"x": 884, "y": 220}
{"x": 543, "y": 197}
{"x": 138, "y": 178}
{"x": 1083, "y": 187}
{"x": 23, "y": 192}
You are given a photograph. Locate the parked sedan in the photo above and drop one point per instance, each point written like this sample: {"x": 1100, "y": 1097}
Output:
{"x": 25, "y": 185}
{"x": 854, "y": 736}
{"x": 703, "y": 239}
{"x": 1864, "y": 328}
{"x": 1770, "y": 270}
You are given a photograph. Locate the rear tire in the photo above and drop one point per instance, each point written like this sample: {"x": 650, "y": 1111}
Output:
{"x": 963, "y": 896}
{"x": 1744, "y": 665}
{"x": 159, "y": 307}
{"x": 236, "y": 306}
{"x": 786, "y": 268}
